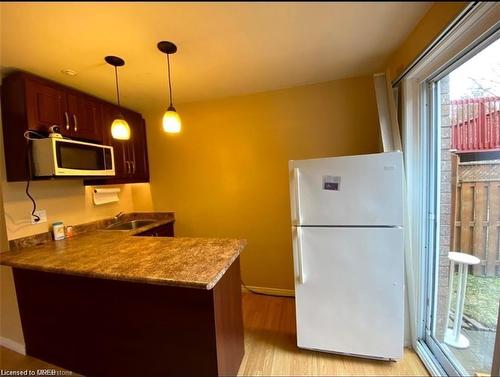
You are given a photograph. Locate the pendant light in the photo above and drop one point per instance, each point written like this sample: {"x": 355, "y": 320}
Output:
{"x": 120, "y": 129}
{"x": 171, "y": 120}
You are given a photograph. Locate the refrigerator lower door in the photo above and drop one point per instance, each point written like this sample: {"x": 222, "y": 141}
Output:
{"x": 349, "y": 290}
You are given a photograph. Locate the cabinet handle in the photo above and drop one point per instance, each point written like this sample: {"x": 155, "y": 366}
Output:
{"x": 128, "y": 166}
{"x": 133, "y": 167}
{"x": 76, "y": 123}
{"x": 67, "y": 120}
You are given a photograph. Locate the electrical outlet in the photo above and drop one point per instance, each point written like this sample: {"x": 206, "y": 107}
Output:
{"x": 43, "y": 217}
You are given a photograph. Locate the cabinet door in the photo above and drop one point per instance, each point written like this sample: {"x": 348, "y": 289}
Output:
{"x": 85, "y": 117}
{"x": 138, "y": 154}
{"x": 131, "y": 156}
{"x": 46, "y": 106}
{"x": 109, "y": 113}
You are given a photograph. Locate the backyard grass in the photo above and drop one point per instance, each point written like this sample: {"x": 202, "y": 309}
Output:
{"x": 481, "y": 299}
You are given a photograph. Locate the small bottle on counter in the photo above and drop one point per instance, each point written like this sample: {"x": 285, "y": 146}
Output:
{"x": 69, "y": 231}
{"x": 58, "y": 230}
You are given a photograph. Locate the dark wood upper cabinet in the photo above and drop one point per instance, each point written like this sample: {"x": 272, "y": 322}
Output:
{"x": 109, "y": 113}
{"x": 46, "y": 106}
{"x": 85, "y": 121}
{"x": 137, "y": 147}
{"x": 131, "y": 156}
{"x": 33, "y": 103}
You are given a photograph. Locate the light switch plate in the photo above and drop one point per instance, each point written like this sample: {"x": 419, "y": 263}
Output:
{"x": 43, "y": 217}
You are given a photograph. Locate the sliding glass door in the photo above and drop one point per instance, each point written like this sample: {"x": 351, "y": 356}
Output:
{"x": 462, "y": 266}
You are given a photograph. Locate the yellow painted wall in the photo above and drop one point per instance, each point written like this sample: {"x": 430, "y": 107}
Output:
{"x": 226, "y": 174}
{"x": 141, "y": 196}
{"x": 429, "y": 27}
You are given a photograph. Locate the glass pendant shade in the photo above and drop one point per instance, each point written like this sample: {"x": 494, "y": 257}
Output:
{"x": 120, "y": 129}
{"x": 171, "y": 121}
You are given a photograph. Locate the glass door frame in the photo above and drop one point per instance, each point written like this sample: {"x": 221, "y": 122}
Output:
{"x": 430, "y": 123}
{"x": 473, "y": 27}
{"x": 432, "y": 144}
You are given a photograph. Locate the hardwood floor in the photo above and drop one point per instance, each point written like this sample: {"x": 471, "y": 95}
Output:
{"x": 270, "y": 348}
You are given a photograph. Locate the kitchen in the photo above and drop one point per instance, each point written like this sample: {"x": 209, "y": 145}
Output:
{"x": 250, "y": 88}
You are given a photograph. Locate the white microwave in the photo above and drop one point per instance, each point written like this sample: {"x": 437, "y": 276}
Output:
{"x": 57, "y": 157}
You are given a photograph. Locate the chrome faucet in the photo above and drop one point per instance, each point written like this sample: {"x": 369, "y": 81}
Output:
{"x": 117, "y": 216}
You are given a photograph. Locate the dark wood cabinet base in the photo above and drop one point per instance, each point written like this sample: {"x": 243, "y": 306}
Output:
{"x": 100, "y": 327}
{"x": 166, "y": 230}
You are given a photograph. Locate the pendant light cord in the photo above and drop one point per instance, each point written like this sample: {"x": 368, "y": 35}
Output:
{"x": 117, "y": 90}
{"x": 169, "y": 80}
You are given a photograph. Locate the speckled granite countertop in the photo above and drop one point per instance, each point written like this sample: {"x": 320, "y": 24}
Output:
{"x": 178, "y": 261}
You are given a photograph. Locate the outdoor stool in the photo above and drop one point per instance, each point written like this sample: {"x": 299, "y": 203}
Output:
{"x": 453, "y": 337}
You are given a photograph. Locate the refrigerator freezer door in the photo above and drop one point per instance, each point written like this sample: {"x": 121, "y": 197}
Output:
{"x": 349, "y": 191}
{"x": 350, "y": 299}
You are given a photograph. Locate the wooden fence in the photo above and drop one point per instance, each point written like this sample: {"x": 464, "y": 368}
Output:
{"x": 477, "y": 224}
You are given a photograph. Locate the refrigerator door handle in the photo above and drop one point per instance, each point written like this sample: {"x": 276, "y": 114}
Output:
{"x": 300, "y": 257}
{"x": 296, "y": 189}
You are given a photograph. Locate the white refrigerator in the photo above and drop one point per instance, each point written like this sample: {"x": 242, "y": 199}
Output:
{"x": 347, "y": 218}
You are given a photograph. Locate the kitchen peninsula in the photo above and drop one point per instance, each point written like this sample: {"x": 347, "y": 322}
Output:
{"x": 114, "y": 303}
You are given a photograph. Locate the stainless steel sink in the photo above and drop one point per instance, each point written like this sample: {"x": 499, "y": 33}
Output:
{"x": 129, "y": 225}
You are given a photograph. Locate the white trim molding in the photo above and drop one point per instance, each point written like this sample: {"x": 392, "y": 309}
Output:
{"x": 471, "y": 31}
{"x": 13, "y": 345}
{"x": 474, "y": 20}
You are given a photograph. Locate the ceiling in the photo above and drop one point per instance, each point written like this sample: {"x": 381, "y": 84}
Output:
{"x": 225, "y": 49}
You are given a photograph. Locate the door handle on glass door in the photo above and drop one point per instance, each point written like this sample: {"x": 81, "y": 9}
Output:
{"x": 296, "y": 176}
{"x": 300, "y": 259}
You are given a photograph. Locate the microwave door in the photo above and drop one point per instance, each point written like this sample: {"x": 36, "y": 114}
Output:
{"x": 79, "y": 158}
{"x": 85, "y": 160}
